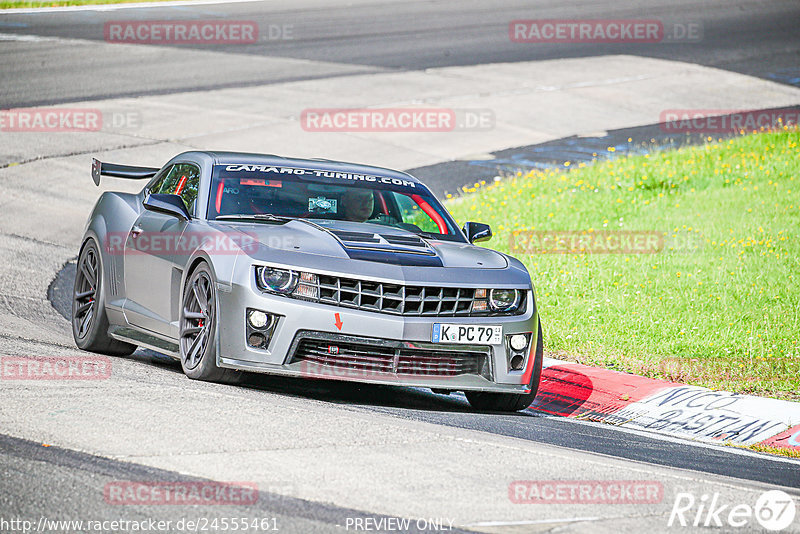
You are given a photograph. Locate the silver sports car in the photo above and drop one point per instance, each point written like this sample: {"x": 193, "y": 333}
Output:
{"x": 237, "y": 262}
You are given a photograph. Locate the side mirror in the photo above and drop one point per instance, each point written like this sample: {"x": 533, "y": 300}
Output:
{"x": 476, "y": 232}
{"x": 169, "y": 204}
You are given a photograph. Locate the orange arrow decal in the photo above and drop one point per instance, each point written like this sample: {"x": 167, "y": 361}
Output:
{"x": 338, "y": 322}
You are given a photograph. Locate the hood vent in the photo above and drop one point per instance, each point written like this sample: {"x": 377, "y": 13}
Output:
{"x": 393, "y": 239}
{"x": 407, "y": 240}
{"x": 357, "y": 237}
{"x": 383, "y": 242}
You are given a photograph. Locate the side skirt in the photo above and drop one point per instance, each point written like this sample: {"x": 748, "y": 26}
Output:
{"x": 145, "y": 339}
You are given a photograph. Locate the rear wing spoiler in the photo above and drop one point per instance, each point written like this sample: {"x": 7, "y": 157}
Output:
{"x": 128, "y": 172}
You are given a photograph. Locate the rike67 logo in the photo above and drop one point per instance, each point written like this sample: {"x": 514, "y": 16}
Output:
{"x": 774, "y": 510}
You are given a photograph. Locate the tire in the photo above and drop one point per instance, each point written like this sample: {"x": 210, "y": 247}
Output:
{"x": 511, "y": 402}
{"x": 89, "y": 319}
{"x": 198, "y": 329}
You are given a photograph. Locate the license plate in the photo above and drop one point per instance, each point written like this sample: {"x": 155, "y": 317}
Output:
{"x": 467, "y": 334}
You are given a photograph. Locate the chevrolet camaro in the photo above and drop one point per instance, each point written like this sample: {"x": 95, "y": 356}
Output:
{"x": 234, "y": 263}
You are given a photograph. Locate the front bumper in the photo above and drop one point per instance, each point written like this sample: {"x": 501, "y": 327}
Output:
{"x": 369, "y": 347}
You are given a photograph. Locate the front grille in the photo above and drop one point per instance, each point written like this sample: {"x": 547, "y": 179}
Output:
{"x": 396, "y": 299}
{"x": 363, "y": 355}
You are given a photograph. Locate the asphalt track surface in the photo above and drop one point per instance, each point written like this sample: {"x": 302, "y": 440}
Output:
{"x": 752, "y": 38}
{"x": 75, "y": 483}
{"x": 454, "y": 410}
{"x": 755, "y": 38}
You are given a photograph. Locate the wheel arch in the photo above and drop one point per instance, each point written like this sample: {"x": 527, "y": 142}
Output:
{"x": 92, "y": 235}
{"x": 191, "y": 265}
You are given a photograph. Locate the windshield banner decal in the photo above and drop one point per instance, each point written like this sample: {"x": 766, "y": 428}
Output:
{"x": 319, "y": 173}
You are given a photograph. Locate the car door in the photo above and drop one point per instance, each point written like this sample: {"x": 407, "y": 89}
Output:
{"x": 153, "y": 253}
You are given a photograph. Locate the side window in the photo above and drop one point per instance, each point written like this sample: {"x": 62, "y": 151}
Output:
{"x": 159, "y": 181}
{"x": 188, "y": 186}
{"x": 182, "y": 179}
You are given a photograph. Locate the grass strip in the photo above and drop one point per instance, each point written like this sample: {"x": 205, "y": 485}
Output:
{"x": 64, "y": 3}
{"x": 707, "y": 296}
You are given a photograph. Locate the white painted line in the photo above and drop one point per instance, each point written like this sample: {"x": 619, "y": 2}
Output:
{"x": 28, "y": 38}
{"x": 551, "y": 362}
{"x": 593, "y": 83}
{"x": 115, "y": 7}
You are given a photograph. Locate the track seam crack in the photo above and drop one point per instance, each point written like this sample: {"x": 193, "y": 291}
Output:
{"x": 80, "y": 153}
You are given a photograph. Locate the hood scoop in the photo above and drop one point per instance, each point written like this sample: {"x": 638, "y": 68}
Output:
{"x": 356, "y": 237}
{"x": 388, "y": 248}
{"x": 402, "y": 244}
{"x": 407, "y": 240}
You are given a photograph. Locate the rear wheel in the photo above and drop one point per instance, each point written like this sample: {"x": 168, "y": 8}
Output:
{"x": 198, "y": 329}
{"x": 89, "y": 319}
{"x": 511, "y": 402}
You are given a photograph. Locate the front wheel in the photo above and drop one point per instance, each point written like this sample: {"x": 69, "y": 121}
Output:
{"x": 89, "y": 319}
{"x": 198, "y": 329}
{"x": 511, "y": 402}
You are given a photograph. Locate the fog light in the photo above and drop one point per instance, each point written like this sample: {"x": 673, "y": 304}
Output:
{"x": 518, "y": 341}
{"x": 257, "y": 319}
{"x": 517, "y": 362}
{"x": 256, "y": 339}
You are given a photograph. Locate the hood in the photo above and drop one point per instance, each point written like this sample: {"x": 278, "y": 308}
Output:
{"x": 363, "y": 241}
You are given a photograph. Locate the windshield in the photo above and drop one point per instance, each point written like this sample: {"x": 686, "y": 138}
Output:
{"x": 248, "y": 190}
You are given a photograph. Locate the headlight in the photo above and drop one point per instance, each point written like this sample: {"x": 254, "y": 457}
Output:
{"x": 278, "y": 280}
{"x": 503, "y": 299}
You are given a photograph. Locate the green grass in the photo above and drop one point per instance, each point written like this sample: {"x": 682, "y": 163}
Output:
{"x": 780, "y": 451}
{"x": 62, "y": 3}
{"x": 721, "y": 312}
